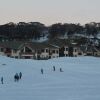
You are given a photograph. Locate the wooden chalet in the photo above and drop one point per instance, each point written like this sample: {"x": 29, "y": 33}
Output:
{"x": 51, "y": 49}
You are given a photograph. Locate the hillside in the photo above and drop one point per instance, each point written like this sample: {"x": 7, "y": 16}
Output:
{"x": 79, "y": 81}
{"x": 35, "y": 31}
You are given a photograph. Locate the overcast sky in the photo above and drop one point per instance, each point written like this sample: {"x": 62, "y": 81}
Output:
{"x": 50, "y": 11}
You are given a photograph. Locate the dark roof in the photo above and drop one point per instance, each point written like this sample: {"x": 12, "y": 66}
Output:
{"x": 35, "y": 45}
{"x": 12, "y": 45}
{"x": 59, "y": 42}
{"x": 91, "y": 49}
{"x": 20, "y": 44}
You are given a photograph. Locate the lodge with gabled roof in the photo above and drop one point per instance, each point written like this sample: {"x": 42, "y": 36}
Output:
{"x": 51, "y": 49}
{"x": 28, "y": 50}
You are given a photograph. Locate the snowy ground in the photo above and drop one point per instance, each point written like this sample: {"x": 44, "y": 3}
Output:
{"x": 79, "y": 81}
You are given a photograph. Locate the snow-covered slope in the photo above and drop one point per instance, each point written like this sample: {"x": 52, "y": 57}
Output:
{"x": 79, "y": 81}
{"x": 42, "y": 39}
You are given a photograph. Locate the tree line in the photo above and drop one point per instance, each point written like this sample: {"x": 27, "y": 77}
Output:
{"x": 35, "y": 30}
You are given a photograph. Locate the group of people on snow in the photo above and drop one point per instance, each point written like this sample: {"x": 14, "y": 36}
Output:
{"x": 54, "y": 69}
{"x": 16, "y": 77}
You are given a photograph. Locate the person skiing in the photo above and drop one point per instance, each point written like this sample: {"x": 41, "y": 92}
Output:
{"x": 2, "y": 80}
{"x": 54, "y": 68}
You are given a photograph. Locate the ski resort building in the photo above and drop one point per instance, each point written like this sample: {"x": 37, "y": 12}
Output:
{"x": 51, "y": 49}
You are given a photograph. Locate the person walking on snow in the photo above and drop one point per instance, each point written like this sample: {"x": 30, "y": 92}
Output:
{"x": 2, "y": 80}
{"x": 41, "y": 71}
{"x": 54, "y": 68}
{"x": 61, "y": 70}
{"x": 20, "y": 75}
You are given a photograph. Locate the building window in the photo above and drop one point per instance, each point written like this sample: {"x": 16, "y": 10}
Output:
{"x": 75, "y": 50}
{"x": 57, "y": 51}
{"x": 53, "y": 51}
{"x": 66, "y": 55}
{"x": 66, "y": 49}
{"x": 2, "y": 49}
{"x": 42, "y": 50}
{"x": 47, "y": 50}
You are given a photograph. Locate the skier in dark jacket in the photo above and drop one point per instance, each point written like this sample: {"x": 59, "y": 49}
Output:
{"x": 20, "y": 75}
{"x": 41, "y": 70}
{"x": 2, "y": 80}
{"x": 61, "y": 70}
{"x": 54, "y": 68}
{"x": 16, "y": 77}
